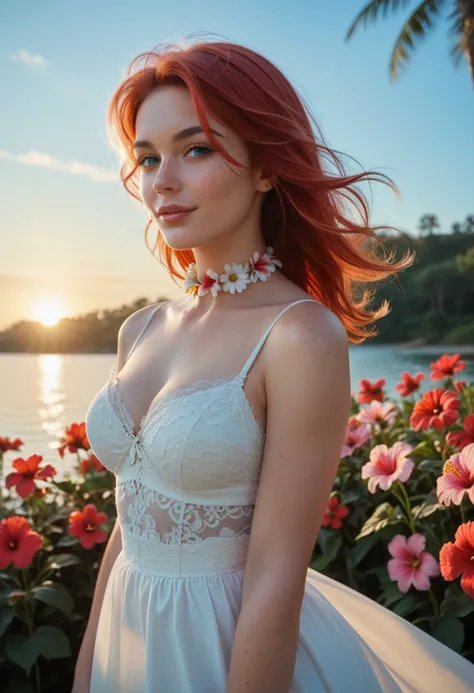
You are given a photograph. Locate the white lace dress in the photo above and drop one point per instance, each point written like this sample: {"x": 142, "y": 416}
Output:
{"x": 186, "y": 485}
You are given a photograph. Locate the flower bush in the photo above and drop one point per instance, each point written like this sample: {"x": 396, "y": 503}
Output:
{"x": 399, "y": 527}
{"x": 407, "y": 479}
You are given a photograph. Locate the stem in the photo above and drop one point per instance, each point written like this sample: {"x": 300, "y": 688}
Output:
{"x": 408, "y": 507}
{"x": 433, "y": 601}
{"x": 29, "y": 623}
{"x": 409, "y": 519}
{"x": 461, "y": 509}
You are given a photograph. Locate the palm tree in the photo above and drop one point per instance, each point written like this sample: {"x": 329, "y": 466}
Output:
{"x": 428, "y": 222}
{"x": 469, "y": 224}
{"x": 461, "y": 20}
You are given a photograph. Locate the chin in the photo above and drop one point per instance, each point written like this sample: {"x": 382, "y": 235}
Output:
{"x": 179, "y": 239}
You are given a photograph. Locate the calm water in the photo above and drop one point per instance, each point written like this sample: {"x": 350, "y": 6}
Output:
{"x": 44, "y": 394}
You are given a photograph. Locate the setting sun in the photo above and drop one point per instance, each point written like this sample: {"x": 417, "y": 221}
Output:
{"x": 49, "y": 312}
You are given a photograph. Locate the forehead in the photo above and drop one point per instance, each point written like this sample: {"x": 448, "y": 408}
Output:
{"x": 167, "y": 110}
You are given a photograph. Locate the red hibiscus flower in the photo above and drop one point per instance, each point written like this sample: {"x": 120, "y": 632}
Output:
{"x": 459, "y": 385}
{"x": 459, "y": 439}
{"x": 85, "y": 524}
{"x": 7, "y": 444}
{"x": 335, "y": 512}
{"x": 75, "y": 439}
{"x": 446, "y": 366}
{"x": 436, "y": 409}
{"x": 409, "y": 383}
{"x": 26, "y": 473}
{"x": 458, "y": 558}
{"x": 18, "y": 542}
{"x": 91, "y": 462}
{"x": 369, "y": 391}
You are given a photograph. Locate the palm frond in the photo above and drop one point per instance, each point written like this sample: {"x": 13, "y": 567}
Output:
{"x": 372, "y": 11}
{"x": 414, "y": 30}
{"x": 456, "y": 31}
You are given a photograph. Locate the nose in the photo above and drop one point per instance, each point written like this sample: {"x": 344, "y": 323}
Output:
{"x": 166, "y": 178}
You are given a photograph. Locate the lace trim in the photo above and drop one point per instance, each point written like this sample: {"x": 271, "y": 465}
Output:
{"x": 115, "y": 398}
{"x": 156, "y": 517}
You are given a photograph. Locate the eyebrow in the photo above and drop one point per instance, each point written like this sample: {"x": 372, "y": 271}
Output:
{"x": 181, "y": 135}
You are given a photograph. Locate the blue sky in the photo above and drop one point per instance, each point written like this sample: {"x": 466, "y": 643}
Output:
{"x": 68, "y": 229}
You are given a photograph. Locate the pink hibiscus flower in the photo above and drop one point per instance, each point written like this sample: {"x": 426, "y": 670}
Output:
{"x": 457, "y": 478}
{"x": 411, "y": 564}
{"x": 378, "y": 413}
{"x": 357, "y": 434}
{"x": 388, "y": 465}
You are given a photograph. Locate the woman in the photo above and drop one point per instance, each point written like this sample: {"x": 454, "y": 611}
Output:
{"x": 224, "y": 418}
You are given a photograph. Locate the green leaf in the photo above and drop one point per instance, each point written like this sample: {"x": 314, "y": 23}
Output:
{"x": 360, "y": 550}
{"x": 55, "y": 594}
{"x": 382, "y": 516}
{"x": 6, "y": 617}
{"x": 456, "y": 603}
{"x": 450, "y": 631}
{"x": 67, "y": 541}
{"x": 426, "y": 509}
{"x": 332, "y": 544}
{"x": 21, "y": 650}
{"x": 423, "y": 449}
{"x": 390, "y": 595}
{"x": 51, "y": 642}
{"x": 406, "y": 605}
{"x": 62, "y": 560}
{"x": 66, "y": 486}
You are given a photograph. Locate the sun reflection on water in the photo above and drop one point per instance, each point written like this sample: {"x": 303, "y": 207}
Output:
{"x": 51, "y": 395}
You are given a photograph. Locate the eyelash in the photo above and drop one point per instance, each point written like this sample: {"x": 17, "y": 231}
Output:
{"x": 201, "y": 147}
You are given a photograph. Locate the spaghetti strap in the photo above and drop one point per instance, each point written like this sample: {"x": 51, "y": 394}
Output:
{"x": 147, "y": 322}
{"x": 244, "y": 372}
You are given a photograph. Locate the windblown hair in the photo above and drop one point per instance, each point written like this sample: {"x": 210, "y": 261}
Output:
{"x": 305, "y": 216}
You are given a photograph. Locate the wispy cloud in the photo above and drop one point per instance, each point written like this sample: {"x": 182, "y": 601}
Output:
{"x": 76, "y": 168}
{"x": 22, "y": 56}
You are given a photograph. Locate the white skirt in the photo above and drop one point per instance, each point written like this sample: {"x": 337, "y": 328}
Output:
{"x": 162, "y": 634}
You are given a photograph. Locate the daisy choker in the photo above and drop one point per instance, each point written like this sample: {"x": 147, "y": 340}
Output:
{"x": 235, "y": 278}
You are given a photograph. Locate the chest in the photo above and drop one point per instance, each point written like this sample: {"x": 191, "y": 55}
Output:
{"x": 202, "y": 442}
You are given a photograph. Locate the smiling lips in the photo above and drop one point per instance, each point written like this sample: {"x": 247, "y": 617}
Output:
{"x": 173, "y": 213}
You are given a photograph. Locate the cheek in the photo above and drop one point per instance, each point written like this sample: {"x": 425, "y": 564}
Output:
{"x": 217, "y": 183}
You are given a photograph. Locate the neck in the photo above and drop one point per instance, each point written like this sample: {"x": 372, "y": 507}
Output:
{"x": 217, "y": 258}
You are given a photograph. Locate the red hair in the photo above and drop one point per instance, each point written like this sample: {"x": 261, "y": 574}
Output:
{"x": 304, "y": 217}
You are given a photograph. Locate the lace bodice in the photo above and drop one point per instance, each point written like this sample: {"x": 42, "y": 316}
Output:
{"x": 189, "y": 476}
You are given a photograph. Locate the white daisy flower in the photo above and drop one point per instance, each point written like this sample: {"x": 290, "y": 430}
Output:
{"x": 235, "y": 278}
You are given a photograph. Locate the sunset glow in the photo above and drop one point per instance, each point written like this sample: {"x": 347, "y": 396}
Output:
{"x": 48, "y": 312}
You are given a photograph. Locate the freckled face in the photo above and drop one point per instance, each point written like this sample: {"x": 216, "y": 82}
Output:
{"x": 190, "y": 173}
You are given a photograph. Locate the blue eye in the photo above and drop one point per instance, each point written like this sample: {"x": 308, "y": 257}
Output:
{"x": 203, "y": 149}
{"x": 140, "y": 163}
{"x": 200, "y": 148}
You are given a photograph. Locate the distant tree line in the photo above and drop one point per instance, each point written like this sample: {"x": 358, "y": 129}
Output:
{"x": 431, "y": 302}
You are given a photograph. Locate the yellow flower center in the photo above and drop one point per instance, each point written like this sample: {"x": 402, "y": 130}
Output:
{"x": 450, "y": 468}
{"x": 90, "y": 528}
{"x": 233, "y": 277}
{"x": 416, "y": 562}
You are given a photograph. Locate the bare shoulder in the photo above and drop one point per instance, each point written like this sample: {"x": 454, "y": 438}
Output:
{"x": 309, "y": 333}
{"x": 129, "y": 331}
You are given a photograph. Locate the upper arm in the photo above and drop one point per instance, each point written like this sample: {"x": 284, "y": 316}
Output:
{"x": 128, "y": 332}
{"x": 308, "y": 404}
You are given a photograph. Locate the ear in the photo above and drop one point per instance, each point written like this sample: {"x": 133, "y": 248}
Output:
{"x": 263, "y": 183}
